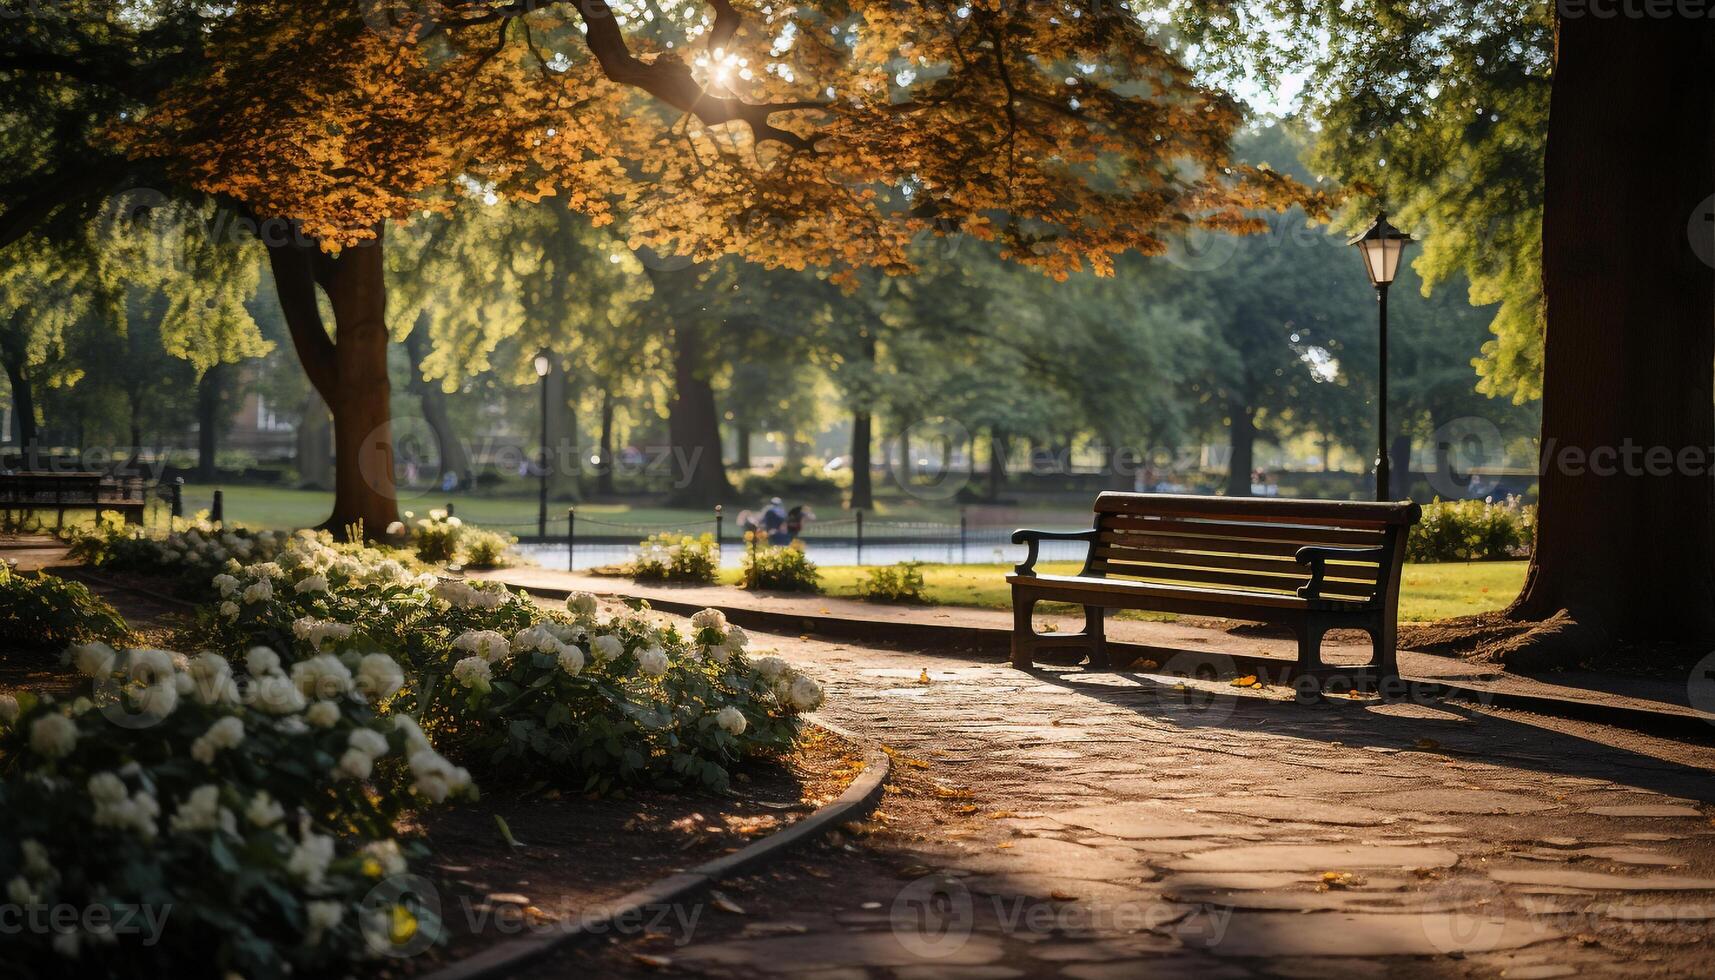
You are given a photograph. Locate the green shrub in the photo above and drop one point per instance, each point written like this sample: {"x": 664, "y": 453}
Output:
{"x": 676, "y": 558}
{"x": 44, "y": 612}
{"x": 894, "y": 583}
{"x": 437, "y": 537}
{"x": 485, "y": 549}
{"x": 1472, "y": 530}
{"x": 809, "y": 483}
{"x": 781, "y": 568}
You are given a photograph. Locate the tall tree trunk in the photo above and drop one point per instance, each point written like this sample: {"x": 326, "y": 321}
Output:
{"x": 24, "y": 410}
{"x": 450, "y": 453}
{"x": 997, "y": 463}
{"x": 862, "y": 497}
{"x": 561, "y": 437}
{"x": 1242, "y": 459}
{"x": 741, "y": 436}
{"x": 604, "y": 473}
{"x": 349, "y": 369}
{"x": 315, "y": 444}
{"x": 699, "y": 476}
{"x": 1399, "y": 468}
{"x": 1625, "y": 551}
{"x": 209, "y": 391}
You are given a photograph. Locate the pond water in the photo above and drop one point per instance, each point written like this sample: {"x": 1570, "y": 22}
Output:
{"x": 978, "y": 549}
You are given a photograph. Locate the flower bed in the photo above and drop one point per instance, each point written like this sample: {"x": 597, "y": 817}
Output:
{"x": 501, "y": 682}
{"x": 209, "y": 821}
{"x": 187, "y": 556}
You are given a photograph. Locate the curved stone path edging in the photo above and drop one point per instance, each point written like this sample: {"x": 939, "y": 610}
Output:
{"x": 507, "y": 957}
{"x": 1666, "y": 721}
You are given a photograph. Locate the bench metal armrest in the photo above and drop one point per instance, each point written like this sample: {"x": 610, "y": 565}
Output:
{"x": 1318, "y": 556}
{"x": 1032, "y": 539}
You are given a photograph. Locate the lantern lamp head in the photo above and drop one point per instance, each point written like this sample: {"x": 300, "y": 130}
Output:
{"x": 1382, "y": 246}
{"x": 542, "y": 365}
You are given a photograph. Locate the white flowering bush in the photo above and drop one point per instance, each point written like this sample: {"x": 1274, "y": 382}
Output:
{"x": 436, "y": 537}
{"x": 254, "y": 809}
{"x": 501, "y": 682}
{"x": 188, "y": 555}
{"x": 676, "y": 558}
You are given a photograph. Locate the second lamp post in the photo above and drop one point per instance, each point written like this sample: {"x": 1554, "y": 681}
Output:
{"x": 1382, "y": 246}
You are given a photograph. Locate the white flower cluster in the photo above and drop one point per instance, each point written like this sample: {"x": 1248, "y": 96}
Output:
{"x": 436, "y": 778}
{"x": 316, "y": 632}
{"x": 488, "y": 645}
{"x": 117, "y": 806}
{"x": 204, "y": 545}
{"x": 581, "y": 604}
{"x": 715, "y": 638}
{"x": 463, "y": 595}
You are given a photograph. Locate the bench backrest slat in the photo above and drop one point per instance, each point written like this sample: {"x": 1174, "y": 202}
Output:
{"x": 1247, "y": 544}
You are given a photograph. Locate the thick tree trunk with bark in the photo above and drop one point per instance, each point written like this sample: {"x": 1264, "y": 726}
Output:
{"x": 1626, "y": 542}
{"x": 699, "y": 476}
{"x": 450, "y": 454}
{"x": 349, "y": 369}
{"x": 863, "y": 497}
{"x": 208, "y": 420}
{"x": 1241, "y": 461}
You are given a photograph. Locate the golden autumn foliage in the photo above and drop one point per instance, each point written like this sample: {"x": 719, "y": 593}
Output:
{"x": 827, "y": 133}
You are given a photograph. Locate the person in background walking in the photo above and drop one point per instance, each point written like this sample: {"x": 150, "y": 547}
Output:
{"x": 774, "y": 523}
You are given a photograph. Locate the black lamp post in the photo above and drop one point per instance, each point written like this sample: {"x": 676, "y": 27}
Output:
{"x": 1382, "y": 247}
{"x": 543, "y": 365}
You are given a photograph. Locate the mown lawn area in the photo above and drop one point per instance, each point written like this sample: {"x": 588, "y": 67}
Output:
{"x": 1428, "y": 593}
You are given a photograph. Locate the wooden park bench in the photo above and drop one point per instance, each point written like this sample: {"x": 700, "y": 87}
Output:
{"x": 28, "y": 492}
{"x": 1312, "y": 565}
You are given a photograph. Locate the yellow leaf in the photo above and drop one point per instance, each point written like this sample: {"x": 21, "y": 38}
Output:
{"x": 1249, "y": 680}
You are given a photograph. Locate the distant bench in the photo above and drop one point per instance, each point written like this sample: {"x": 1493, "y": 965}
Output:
{"x": 28, "y": 492}
{"x": 1312, "y": 565}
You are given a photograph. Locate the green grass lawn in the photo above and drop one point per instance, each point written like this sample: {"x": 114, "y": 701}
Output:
{"x": 1428, "y": 592}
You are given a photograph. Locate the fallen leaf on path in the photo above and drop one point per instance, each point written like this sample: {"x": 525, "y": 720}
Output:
{"x": 1062, "y": 896}
{"x": 923, "y": 678}
{"x": 1249, "y": 680}
{"x": 724, "y": 903}
{"x": 652, "y": 961}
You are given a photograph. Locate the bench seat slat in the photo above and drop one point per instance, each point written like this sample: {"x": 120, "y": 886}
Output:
{"x": 1242, "y": 581}
{"x": 1088, "y": 589}
{"x": 1360, "y": 572}
{"x": 1250, "y": 531}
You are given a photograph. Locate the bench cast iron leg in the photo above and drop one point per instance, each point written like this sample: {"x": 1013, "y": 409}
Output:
{"x": 1023, "y": 633}
{"x": 1096, "y": 629}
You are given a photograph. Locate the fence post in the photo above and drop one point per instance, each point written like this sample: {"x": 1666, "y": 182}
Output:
{"x": 217, "y": 510}
{"x": 571, "y": 535}
{"x": 178, "y": 497}
{"x": 860, "y": 537}
{"x": 962, "y": 534}
{"x": 449, "y": 508}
